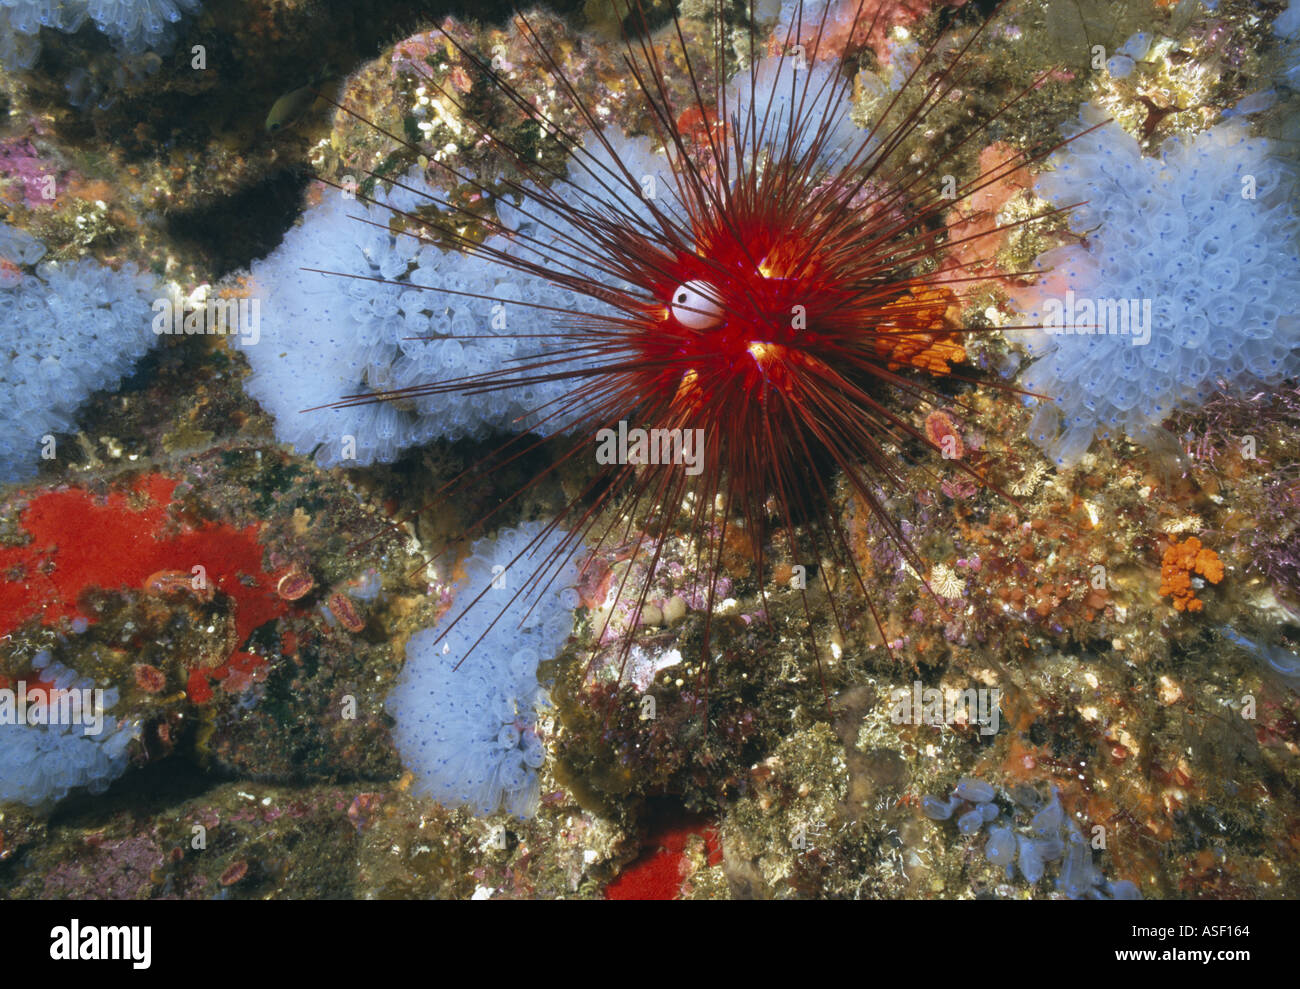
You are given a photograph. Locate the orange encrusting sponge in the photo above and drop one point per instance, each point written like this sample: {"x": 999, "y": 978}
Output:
{"x": 1181, "y": 560}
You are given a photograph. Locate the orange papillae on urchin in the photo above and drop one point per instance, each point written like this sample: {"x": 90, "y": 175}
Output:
{"x": 791, "y": 299}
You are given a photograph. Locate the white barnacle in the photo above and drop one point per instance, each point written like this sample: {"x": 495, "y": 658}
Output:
{"x": 945, "y": 583}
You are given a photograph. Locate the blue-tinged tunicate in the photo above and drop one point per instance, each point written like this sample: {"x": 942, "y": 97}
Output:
{"x": 1050, "y": 848}
{"x": 1075, "y": 878}
{"x": 1052, "y": 837}
{"x": 1282, "y": 661}
{"x": 1001, "y": 847}
{"x": 1048, "y": 820}
{"x": 1031, "y": 859}
{"x": 976, "y": 791}
{"x": 1080, "y": 876}
{"x": 1125, "y": 889}
{"x": 768, "y": 92}
{"x": 1254, "y": 103}
{"x": 1121, "y": 64}
{"x": 936, "y": 809}
{"x": 1287, "y": 23}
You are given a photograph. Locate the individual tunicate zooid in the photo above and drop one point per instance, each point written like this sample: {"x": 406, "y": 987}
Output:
{"x": 976, "y": 791}
{"x": 936, "y": 809}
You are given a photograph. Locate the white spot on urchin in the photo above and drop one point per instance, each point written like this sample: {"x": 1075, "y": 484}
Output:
{"x": 695, "y": 305}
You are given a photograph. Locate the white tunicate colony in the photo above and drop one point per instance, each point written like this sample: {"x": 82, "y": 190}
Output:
{"x": 1207, "y": 233}
{"x": 786, "y": 89}
{"x": 40, "y": 764}
{"x": 67, "y": 329}
{"x": 325, "y": 337}
{"x": 133, "y": 26}
{"x": 469, "y": 735}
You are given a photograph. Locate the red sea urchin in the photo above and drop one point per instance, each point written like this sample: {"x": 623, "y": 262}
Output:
{"x": 783, "y": 312}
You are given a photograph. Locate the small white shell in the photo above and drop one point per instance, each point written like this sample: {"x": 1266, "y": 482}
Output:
{"x": 695, "y": 305}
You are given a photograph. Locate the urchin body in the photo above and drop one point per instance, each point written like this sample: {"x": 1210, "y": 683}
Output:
{"x": 778, "y": 303}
